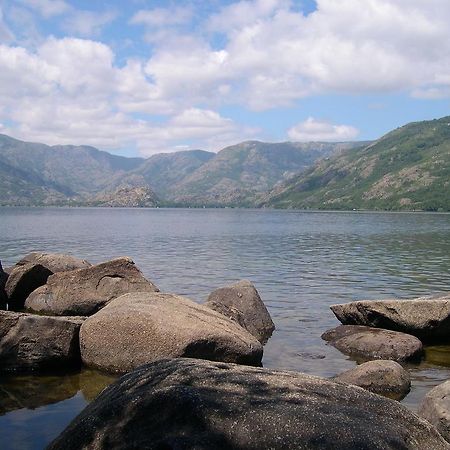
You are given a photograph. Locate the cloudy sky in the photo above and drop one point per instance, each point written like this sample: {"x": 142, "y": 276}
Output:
{"x": 147, "y": 76}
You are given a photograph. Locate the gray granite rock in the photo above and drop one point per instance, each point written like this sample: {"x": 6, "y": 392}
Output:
{"x": 29, "y": 342}
{"x": 192, "y": 404}
{"x": 241, "y": 302}
{"x": 383, "y": 377}
{"x": 85, "y": 291}
{"x": 367, "y": 343}
{"x": 142, "y": 327}
{"x": 435, "y": 407}
{"x": 428, "y": 318}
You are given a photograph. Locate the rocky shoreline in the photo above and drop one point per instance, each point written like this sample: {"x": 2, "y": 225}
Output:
{"x": 188, "y": 379}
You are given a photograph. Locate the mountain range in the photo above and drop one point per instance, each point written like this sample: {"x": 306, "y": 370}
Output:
{"x": 38, "y": 174}
{"x": 408, "y": 168}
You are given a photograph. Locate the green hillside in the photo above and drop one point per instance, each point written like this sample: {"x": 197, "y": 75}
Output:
{"x": 407, "y": 169}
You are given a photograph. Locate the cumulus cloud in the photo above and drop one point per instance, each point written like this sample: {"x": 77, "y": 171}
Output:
{"x": 257, "y": 54}
{"x": 321, "y": 130}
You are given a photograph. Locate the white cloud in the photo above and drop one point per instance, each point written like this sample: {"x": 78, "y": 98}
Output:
{"x": 87, "y": 23}
{"x": 320, "y": 130}
{"x": 162, "y": 17}
{"x": 48, "y": 8}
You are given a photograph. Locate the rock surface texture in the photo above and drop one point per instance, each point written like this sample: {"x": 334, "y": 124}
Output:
{"x": 387, "y": 378}
{"x": 29, "y": 342}
{"x": 84, "y": 291}
{"x": 22, "y": 281}
{"x": 55, "y": 262}
{"x": 142, "y": 327}
{"x": 367, "y": 343}
{"x": 241, "y": 302}
{"x": 192, "y": 404}
{"x": 428, "y": 318}
{"x": 435, "y": 407}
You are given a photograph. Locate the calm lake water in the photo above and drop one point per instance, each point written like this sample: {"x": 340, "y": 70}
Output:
{"x": 300, "y": 262}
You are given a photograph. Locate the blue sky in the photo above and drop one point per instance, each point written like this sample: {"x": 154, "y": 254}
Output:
{"x": 143, "y": 77}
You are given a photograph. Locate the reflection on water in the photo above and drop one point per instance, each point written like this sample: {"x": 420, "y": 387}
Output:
{"x": 301, "y": 262}
{"x": 30, "y": 405}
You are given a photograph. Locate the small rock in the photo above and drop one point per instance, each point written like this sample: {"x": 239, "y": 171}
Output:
{"x": 241, "y": 302}
{"x": 84, "y": 291}
{"x": 387, "y": 378}
{"x": 29, "y": 342}
{"x": 427, "y": 318}
{"x": 202, "y": 405}
{"x": 142, "y": 327}
{"x": 369, "y": 343}
{"x": 435, "y": 408}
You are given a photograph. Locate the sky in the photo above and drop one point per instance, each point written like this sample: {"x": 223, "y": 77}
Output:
{"x": 141, "y": 77}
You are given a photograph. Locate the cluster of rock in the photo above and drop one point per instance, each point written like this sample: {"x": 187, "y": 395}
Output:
{"x": 183, "y": 388}
{"x": 60, "y": 311}
{"x": 394, "y": 330}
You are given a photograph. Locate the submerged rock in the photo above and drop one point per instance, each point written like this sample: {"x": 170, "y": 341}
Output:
{"x": 142, "y": 327}
{"x": 85, "y": 291}
{"x": 435, "y": 408}
{"x": 427, "y": 318}
{"x": 29, "y": 342}
{"x": 241, "y": 302}
{"x": 368, "y": 343}
{"x": 193, "y": 404}
{"x": 387, "y": 378}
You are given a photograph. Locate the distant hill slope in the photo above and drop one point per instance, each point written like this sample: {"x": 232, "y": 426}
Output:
{"x": 239, "y": 173}
{"x": 33, "y": 174}
{"x": 407, "y": 169}
{"x": 37, "y": 174}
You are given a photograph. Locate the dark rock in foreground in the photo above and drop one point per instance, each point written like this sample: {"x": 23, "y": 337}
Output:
{"x": 435, "y": 408}
{"x": 192, "y": 404}
{"x": 428, "y": 318}
{"x": 22, "y": 281}
{"x": 55, "y": 262}
{"x": 369, "y": 343}
{"x": 29, "y": 342}
{"x": 142, "y": 327}
{"x": 387, "y": 378}
{"x": 85, "y": 291}
{"x": 241, "y": 302}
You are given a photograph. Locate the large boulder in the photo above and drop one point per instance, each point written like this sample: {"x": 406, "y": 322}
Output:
{"x": 191, "y": 404}
{"x": 428, "y": 318}
{"x": 366, "y": 343}
{"x": 22, "y": 281}
{"x": 383, "y": 377}
{"x": 32, "y": 271}
{"x": 55, "y": 262}
{"x": 435, "y": 407}
{"x": 85, "y": 291}
{"x": 29, "y": 342}
{"x": 142, "y": 327}
{"x": 241, "y": 302}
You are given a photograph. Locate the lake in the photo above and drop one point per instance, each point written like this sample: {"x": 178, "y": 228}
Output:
{"x": 301, "y": 262}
